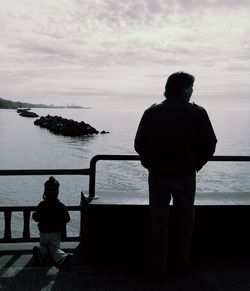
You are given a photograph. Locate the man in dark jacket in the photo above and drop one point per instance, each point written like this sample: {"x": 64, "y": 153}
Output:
{"x": 175, "y": 139}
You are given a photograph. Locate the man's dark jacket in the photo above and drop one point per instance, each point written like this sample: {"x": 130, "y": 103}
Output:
{"x": 175, "y": 138}
{"x": 51, "y": 215}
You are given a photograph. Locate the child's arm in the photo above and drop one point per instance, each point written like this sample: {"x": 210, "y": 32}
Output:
{"x": 65, "y": 214}
{"x": 36, "y": 214}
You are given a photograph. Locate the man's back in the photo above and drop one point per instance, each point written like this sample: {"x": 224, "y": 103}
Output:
{"x": 175, "y": 137}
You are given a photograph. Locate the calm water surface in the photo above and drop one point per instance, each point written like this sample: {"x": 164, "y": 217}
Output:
{"x": 26, "y": 146}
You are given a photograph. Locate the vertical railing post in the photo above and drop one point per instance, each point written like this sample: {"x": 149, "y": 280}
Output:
{"x": 84, "y": 214}
{"x": 26, "y": 224}
{"x": 92, "y": 178}
{"x": 7, "y": 227}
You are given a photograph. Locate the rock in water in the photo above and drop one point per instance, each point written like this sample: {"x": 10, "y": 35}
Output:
{"x": 66, "y": 127}
{"x": 26, "y": 113}
{"x": 104, "y": 132}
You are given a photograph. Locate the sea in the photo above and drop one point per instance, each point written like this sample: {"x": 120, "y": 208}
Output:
{"x": 26, "y": 146}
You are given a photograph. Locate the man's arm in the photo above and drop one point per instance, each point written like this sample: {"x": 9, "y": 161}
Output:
{"x": 206, "y": 140}
{"x": 140, "y": 138}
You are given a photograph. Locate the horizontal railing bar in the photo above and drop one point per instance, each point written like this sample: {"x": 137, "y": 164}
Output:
{"x": 37, "y": 239}
{"x": 116, "y": 157}
{"x": 31, "y": 172}
{"x": 33, "y": 208}
{"x": 230, "y": 158}
{"x": 96, "y": 158}
{"x": 19, "y": 239}
{"x": 136, "y": 157}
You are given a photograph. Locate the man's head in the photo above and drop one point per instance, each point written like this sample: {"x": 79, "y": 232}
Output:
{"x": 51, "y": 188}
{"x": 179, "y": 86}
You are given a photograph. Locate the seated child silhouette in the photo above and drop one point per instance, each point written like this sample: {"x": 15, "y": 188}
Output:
{"x": 52, "y": 216}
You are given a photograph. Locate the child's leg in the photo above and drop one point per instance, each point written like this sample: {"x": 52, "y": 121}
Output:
{"x": 44, "y": 242}
{"x": 40, "y": 252}
{"x": 54, "y": 247}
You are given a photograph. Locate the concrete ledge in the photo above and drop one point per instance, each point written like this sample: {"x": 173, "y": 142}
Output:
{"x": 118, "y": 232}
{"x": 202, "y": 198}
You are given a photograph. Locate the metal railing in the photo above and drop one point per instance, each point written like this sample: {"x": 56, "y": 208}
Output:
{"x": 91, "y": 172}
{"x": 95, "y": 159}
{"x": 26, "y": 210}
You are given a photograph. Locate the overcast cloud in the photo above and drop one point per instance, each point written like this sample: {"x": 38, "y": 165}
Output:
{"x": 94, "y": 52}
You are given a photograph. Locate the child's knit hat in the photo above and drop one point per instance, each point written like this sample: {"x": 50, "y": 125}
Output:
{"x": 51, "y": 187}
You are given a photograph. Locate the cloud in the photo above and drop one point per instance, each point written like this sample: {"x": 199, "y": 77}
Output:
{"x": 115, "y": 45}
{"x": 214, "y": 4}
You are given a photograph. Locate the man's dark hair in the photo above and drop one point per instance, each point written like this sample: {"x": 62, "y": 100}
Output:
{"x": 177, "y": 83}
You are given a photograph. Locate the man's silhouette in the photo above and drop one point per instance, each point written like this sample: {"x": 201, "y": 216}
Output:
{"x": 175, "y": 139}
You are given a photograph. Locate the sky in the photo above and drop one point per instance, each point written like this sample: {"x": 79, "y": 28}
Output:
{"x": 116, "y": 53}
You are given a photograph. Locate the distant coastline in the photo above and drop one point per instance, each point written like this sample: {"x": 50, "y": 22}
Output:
{"x": 8, "y": 104}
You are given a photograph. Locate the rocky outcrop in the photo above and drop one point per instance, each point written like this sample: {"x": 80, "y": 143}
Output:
{"x": 20, "y": 110}
{"x": 104, "y": 132}
{"x": 26, "y": 113}
{"x": 66, "y": 127}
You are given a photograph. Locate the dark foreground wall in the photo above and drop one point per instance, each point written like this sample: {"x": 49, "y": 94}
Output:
{"x": 120, "y": 233}
{"x": 221, "y": 231}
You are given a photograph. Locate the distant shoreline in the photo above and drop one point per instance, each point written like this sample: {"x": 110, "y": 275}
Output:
{"x": 8, "y": 104}
{"x": 55, "y": 107}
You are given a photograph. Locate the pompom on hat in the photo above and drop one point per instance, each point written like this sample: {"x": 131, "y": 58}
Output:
{"x": 51, "y": 187}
